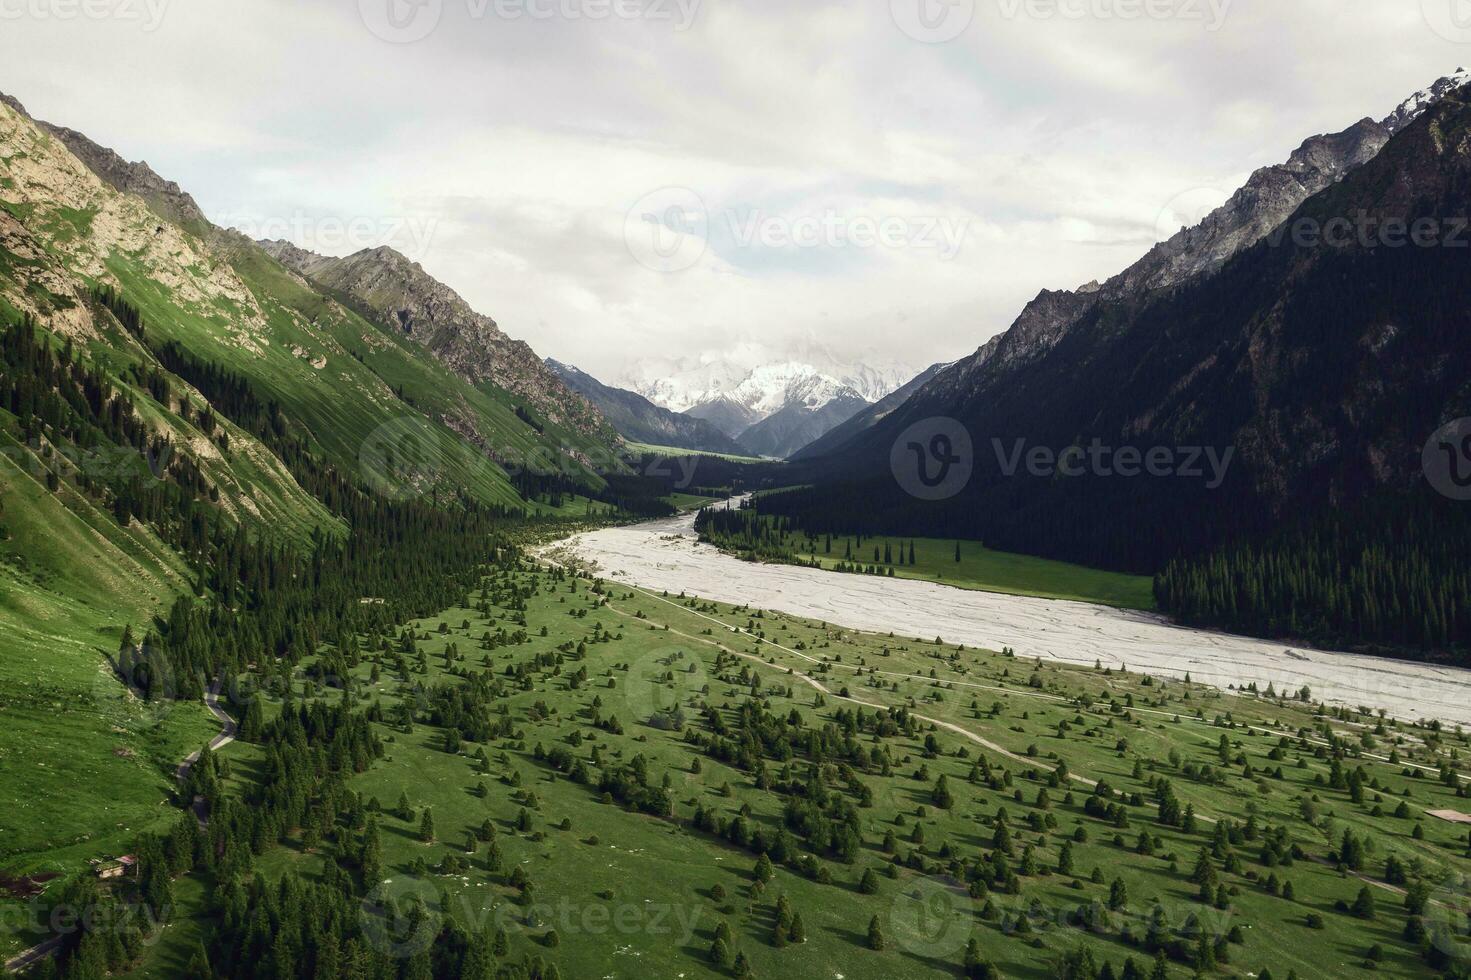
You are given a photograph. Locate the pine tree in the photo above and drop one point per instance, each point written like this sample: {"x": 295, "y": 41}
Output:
{"x": 1363, "y": 906}
{"x": 876, "y": 939}
{"x": 798, "y": 932}
{"x": 426, "y": 826}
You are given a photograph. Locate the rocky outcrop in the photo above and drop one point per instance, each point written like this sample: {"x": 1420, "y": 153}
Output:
{"x": 164, "y": 197}
{"x": 398, "y": 294}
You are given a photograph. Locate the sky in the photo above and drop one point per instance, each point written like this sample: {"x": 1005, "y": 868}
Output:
{"x": 630, "y": 182}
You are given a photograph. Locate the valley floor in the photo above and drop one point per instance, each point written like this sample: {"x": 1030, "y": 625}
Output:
{"x": 617, "y": 893}
{"x": 666, "y": 554}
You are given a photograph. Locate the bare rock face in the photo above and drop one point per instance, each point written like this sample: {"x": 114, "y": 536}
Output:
{"x": 166, "y": 198}
{"x": 398, "y": 294}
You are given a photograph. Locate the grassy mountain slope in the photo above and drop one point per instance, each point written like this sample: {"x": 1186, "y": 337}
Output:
{"x": 88, "y": 762}
{"x": 405, "y": 301}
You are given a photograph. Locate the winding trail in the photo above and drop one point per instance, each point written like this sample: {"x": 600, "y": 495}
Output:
{"x": 985, "y": 743}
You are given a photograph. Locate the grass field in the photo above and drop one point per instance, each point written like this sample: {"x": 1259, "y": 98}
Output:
{"x": 985, "y": 570}
{"x": 690, "y": 501}
{"x": 935, "y": 560}
{"x": 629, "y": 894}
{"x": 643, "y": 447}
{"x": 85, "y": 763}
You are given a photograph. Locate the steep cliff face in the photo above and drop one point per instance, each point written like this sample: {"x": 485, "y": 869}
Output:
{"x": 399, "y": 295}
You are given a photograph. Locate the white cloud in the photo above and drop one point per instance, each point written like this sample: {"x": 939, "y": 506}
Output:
{"x": 507, "y": 153}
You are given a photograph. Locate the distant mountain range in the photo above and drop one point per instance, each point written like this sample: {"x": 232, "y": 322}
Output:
{"x": 774, "y": 411}
{"x": 637, "y": 418}
{"x": 773, "y": 406}
{"x": 806, "y": 405}
{"x": 758, "y": 376}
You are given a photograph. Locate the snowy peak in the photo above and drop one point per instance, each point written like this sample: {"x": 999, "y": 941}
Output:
{"x": 1411, "y": 109}
{"x": 769, "y": 389}
{"x": 764, "y": 387}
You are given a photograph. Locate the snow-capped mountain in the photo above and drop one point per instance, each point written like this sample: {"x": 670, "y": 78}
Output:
{"x": 773, "y": 387}
{"x": 772, "y": 406}
{"x": 762, "y": 381}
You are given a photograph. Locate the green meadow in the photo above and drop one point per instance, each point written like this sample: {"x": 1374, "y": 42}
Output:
{"x": 925, "y": 750}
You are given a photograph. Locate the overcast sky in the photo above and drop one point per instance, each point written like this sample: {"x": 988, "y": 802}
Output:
{"x": 617, "y": 179}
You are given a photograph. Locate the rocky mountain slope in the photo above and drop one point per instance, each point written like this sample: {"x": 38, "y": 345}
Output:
{"x": 637, "y": 418}
{"x": 1323, "y": 369}
{"x": 399, "y": 295}
{"x": 1262, "y": 204}
{"x": 165, "y": 197}
{"x": 726, "y": 414}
